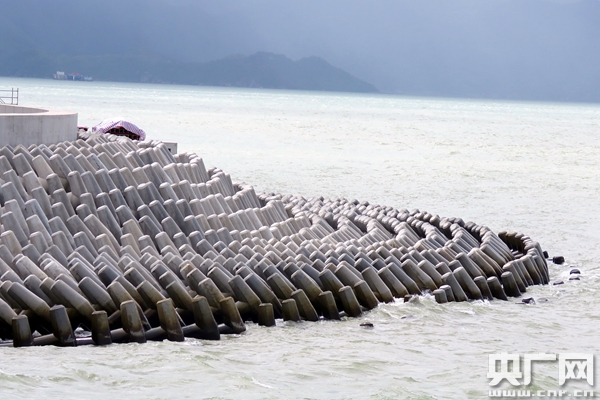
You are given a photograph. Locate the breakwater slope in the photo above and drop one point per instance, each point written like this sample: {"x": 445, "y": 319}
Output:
{"x": 132, "y": 244}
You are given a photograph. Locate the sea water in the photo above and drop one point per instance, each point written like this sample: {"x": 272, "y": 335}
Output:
{"x": 519, "y": 166}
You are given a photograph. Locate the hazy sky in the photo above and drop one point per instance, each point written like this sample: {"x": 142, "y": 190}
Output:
{"x": 541, "y": 49}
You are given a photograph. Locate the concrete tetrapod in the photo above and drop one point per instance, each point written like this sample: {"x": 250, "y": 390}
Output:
{"x": 290, "y": 310}
{"x": 328, "y": 306}
{"x": 349, "y": 302}
{"x": 61, "y": 326}
{"x": 305, "y": 308}
{"x": 204, "y": 319}
{"x": 100, "y": 328}
{"x": 169, "y": 321}
{"x": 21, "y": 331}
{"x": 365, "y": 296}
{"x": 440, "y": 296}
{"x": 265, "y": 314}
{"x": 496, "y": 288}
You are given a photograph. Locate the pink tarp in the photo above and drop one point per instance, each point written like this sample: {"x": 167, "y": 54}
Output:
{"x": 107, "y": 125}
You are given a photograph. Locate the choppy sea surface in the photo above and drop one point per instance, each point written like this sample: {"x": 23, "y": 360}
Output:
{"x": 520, "y": 166}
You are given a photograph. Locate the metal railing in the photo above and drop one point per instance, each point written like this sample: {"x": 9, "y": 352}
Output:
{"x": 9, "y": 96}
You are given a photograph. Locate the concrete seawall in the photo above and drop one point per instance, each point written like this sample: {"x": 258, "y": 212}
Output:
{"x": 28, "y": 125}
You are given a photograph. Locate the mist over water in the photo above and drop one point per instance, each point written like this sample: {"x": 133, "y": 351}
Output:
{"x": 527, "y": 167}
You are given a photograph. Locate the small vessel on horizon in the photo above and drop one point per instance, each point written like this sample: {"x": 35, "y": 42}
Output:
{"x": 73, "y": 76}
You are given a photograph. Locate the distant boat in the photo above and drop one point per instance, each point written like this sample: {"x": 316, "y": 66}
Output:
{"x": 73, "y": 76}
{"x": 120, "y": 127}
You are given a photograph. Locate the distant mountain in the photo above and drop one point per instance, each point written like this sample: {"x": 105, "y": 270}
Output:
{"x": 276, "y": 71}
{"x": 260, "y": 70}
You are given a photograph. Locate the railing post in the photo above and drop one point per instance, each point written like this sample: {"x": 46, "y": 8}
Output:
{"x": 14, "y": 96}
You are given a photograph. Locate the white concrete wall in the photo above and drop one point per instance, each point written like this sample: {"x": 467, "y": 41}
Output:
{"x": 27, "y": 126}
{"x": 172, "y": 146}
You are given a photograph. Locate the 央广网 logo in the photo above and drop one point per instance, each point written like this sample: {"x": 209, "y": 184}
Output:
{"x": 507, "y": 366}
{"x": 517, "y": 371}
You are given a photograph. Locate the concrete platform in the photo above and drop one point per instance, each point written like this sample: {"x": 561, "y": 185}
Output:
{"x": 28, "y": 125}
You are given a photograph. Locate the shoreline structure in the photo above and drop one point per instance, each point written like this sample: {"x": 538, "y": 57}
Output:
{"x": 131, "y": 243}
{"x": 29, "y": 125}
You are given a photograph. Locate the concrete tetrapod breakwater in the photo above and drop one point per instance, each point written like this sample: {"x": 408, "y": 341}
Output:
{"x": 130, "y": 243}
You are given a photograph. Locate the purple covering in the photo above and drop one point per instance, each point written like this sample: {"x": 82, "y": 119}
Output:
{"x": 107, "y": 125}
